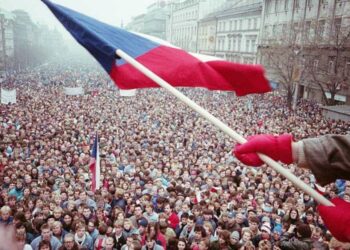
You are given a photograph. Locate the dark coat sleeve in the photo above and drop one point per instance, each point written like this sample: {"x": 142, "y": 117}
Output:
{"x": 328, "y": 157}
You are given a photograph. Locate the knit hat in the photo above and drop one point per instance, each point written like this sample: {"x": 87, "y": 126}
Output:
{"x": 235, "y": 235}
{"x": 265, "y": 219}
{"x": 142, "y": 222}
{"x": 266, "y": 207}
{"x": 278, "y": 229}
{"x": 231, "y": 215}
{"x": 266, "y": 227}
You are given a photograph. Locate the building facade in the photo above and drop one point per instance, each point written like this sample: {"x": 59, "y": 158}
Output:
{"x": 207, "y": 34}
{"x": 238, "y": 32}
{"x": 183, "y": 20}
{"x": 6, "y": 40}
{"x": 155, "y": 20}
{"x": 318, "y": 30}
{"x": 184, "y": 23}
{"x": 24, "y": 44}
{"x": 137, "y": 24}
{"x": 232, "y": 33}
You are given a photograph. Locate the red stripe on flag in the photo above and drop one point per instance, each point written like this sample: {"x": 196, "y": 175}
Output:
{"x": 92, "y": 168}
{"x": 181, "y": 69}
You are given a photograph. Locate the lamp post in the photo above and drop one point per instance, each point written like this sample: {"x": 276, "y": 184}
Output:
{"x": 296, "y": 77}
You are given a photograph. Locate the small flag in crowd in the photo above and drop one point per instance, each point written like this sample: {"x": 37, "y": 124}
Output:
{"x": 95, "y": 165}
{"x": 176, "y": 66}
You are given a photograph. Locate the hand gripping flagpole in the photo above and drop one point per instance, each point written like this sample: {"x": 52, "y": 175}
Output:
{"x": 223, "y": 127}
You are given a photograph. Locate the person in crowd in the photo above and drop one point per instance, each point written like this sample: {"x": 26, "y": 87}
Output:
{"x": 119, "y": 238}
{"x": 21, "y": 242}
{"x": 58, "y": 231}
{"x": 182, "y": 224}
{"x": 188, "y": 229}
{"x": 5, "y": 217}
{"x": 46, "y": 236}
{"x": 297, "y": 237}
{"x": 44, "y": 245}
{"x": 151, "y": 244}
{"x": 69, "y": 243}
{"x": 82, "y": 238}
{"x": 109, "y": 244}
{"x": 182, "y": 244}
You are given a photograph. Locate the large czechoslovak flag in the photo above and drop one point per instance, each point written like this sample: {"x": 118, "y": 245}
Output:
{"x": 94, "y": 165}
{"x": 176, "y": 66}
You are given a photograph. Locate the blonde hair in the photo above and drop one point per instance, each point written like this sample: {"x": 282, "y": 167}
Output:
{"x": 5, "y": 209}
{"x": 56, "y": 224}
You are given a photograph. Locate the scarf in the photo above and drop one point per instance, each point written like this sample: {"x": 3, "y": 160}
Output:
{"x": 79, "y": 240}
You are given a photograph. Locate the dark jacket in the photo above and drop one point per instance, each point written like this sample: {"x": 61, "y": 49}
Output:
{"x": 327, "y": 156}
{"x": 292, "y": 243}
{"x": 120, "y": 242}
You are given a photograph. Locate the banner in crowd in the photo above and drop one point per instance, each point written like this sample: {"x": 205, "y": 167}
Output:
{"x": 176, "y": 66}
{"x": 8, "y": 96}
{"x": 127, "y": 92}
{"x": 74, "y": 91}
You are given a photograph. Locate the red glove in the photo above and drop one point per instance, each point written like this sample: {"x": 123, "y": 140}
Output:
{"x": 337, "y": 219}
{"x": 278, "y": 148}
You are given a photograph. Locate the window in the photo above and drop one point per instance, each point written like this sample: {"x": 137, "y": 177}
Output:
{"x": 247, "y": 45}
{"x": 331, "y": 65}
{"x": 255, "y": 23}
{"x": 230, "y": 25}
{"x": 315, "y": 64}
{"x": 274, "y": 29}
{"x": 234, "y": 44}
{"x": 240, "y": 24}
{"x": 321, "y": 28}
{"x": 284, "y": 28}
{"x": 308, "y": 3}
{"x": 253, "y": 46}
{"x": 239, "y": 44}
{"x": 268, "y": 7}
{"x": 276, "y": 6}
{"x": 266, "y": 31}
{"x": 286, "y": 2}
{"x": 235, "y": 28}
{"x": 336, "y": 26}
{"x": 229, "y": 44}
{"x": 307, "y": 29}
{"x": 296, "y": 27}
{"x": 249, "y": 24}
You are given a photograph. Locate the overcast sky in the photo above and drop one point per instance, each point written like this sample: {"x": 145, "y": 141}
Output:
{"x": 111, "y": 11}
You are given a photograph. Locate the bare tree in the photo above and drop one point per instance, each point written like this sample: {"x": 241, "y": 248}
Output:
{"x": 327, "y": 68}
{"x": 284, "y": 57}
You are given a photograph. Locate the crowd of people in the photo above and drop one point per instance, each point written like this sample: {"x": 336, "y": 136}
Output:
{"x": 169, "y": 179}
